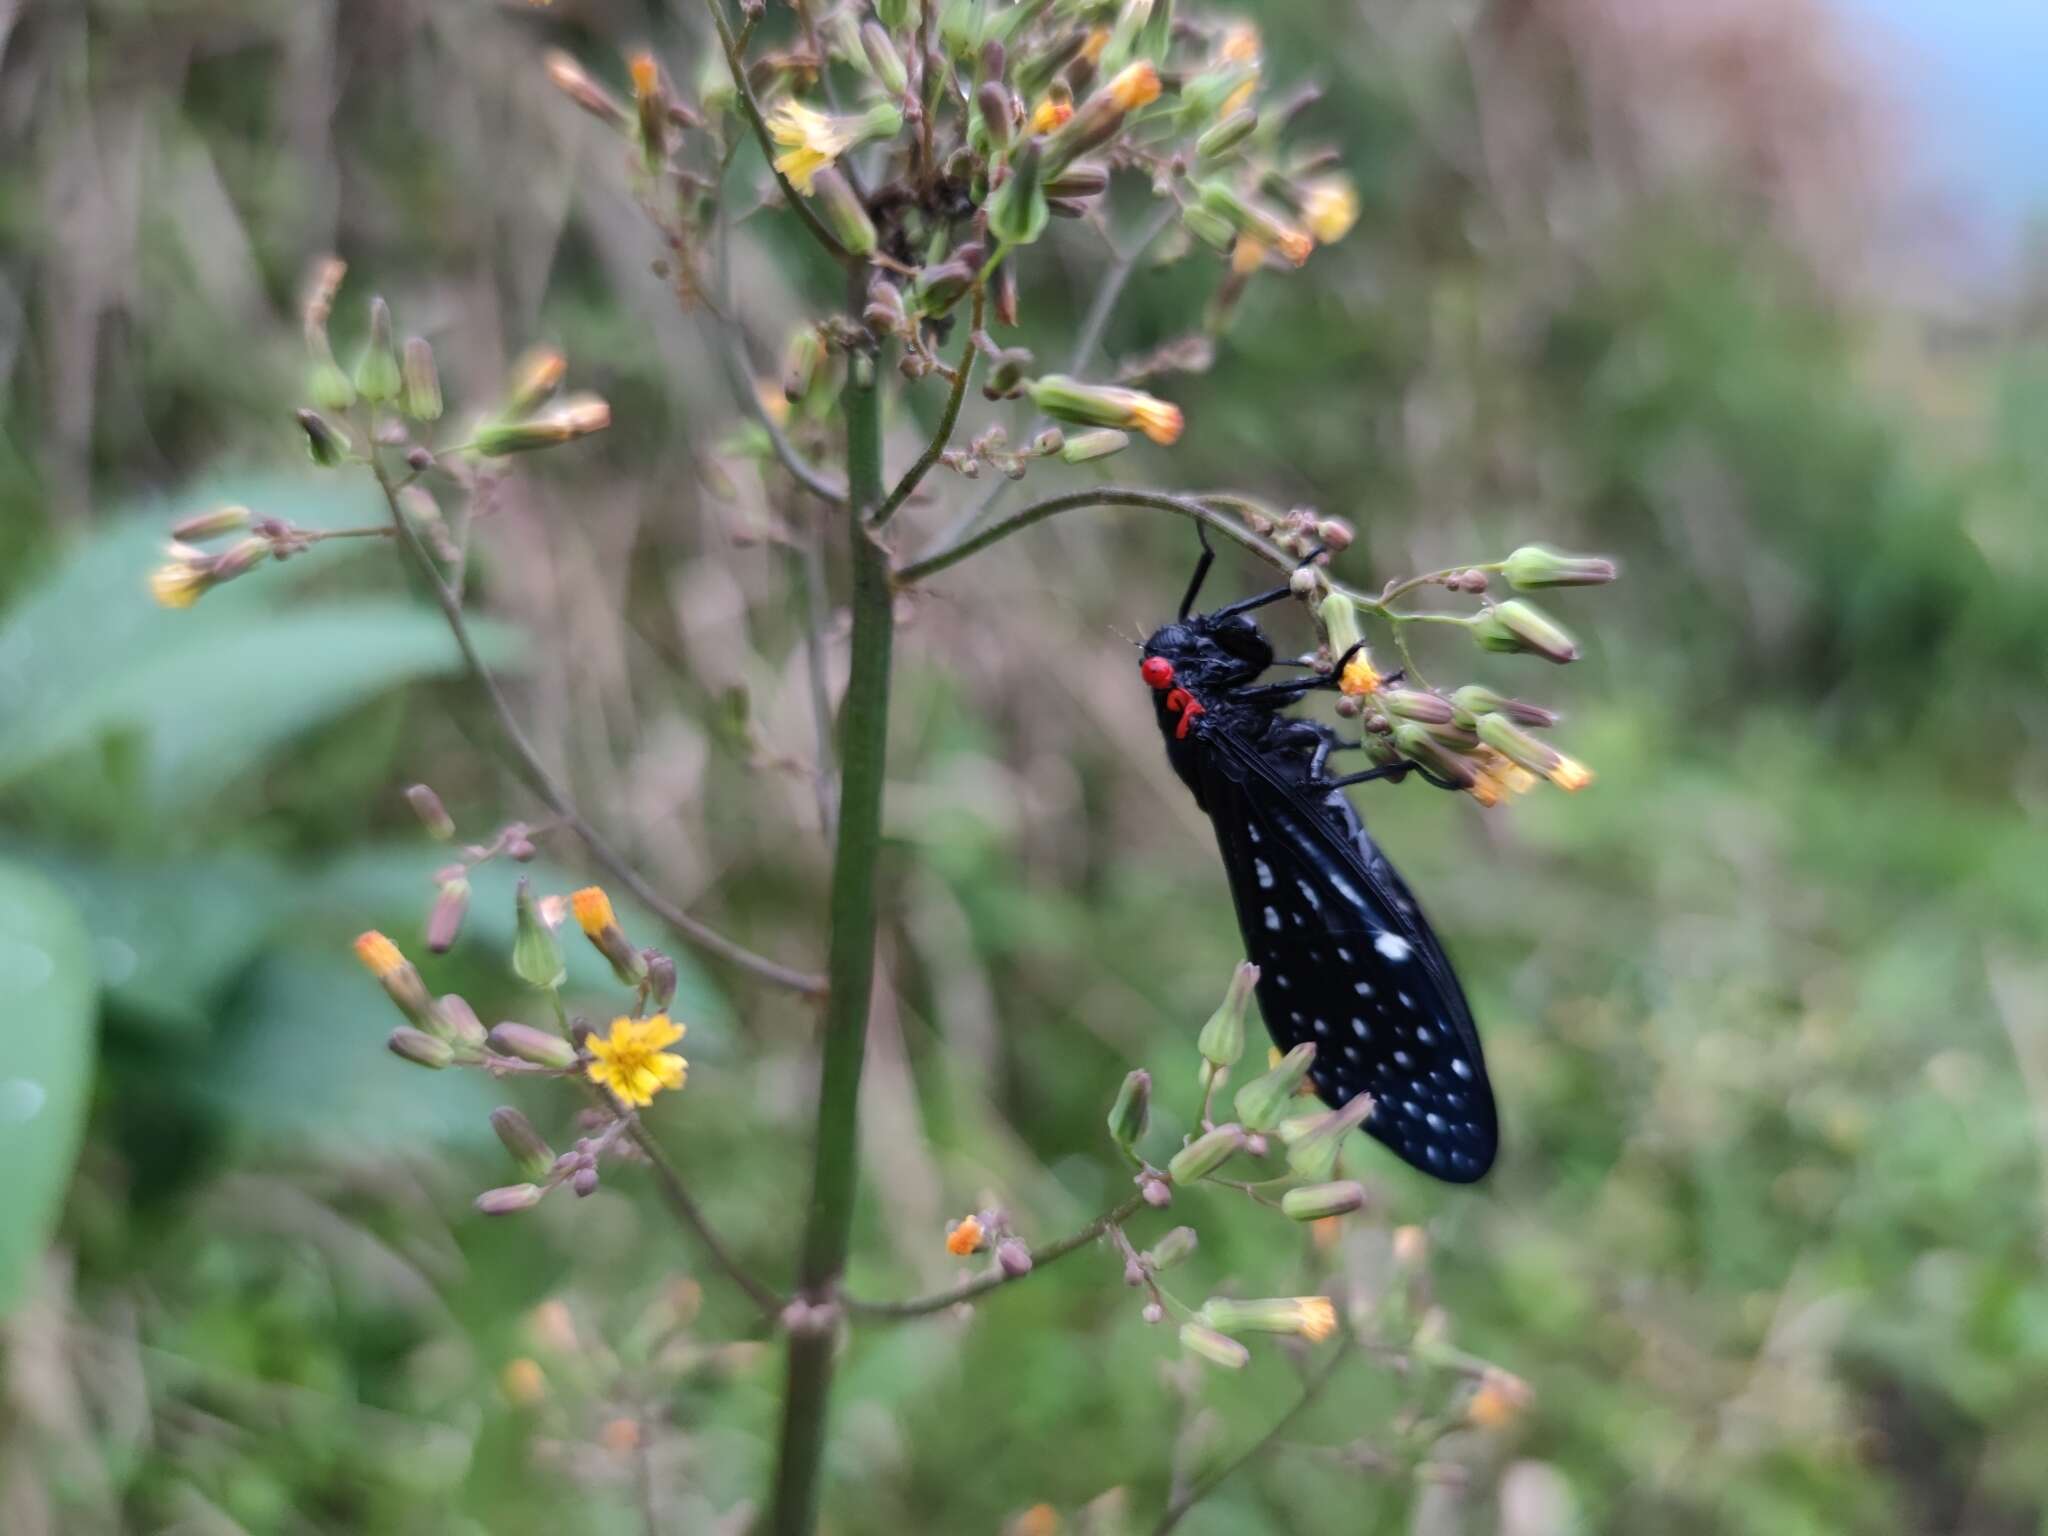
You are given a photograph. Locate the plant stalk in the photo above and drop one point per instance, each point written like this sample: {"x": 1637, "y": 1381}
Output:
{"x": 850, "y": 969}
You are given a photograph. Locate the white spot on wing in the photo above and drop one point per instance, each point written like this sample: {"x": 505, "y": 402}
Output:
{"x": 1462, "y": 1067}
{"x": 1265, "y": 874}
{"x": 1362, "y": 988}
{"x": 1393, "y": 946}
{"x": 1273, "y": 918}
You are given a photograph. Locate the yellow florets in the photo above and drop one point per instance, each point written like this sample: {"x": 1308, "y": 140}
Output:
{"x": 1157, "y": 419}
{"x": 1134, "y": 86}
{"x": 593, "y": 910}
{"x": 378, "y": 954}
{"x": 1360, "y": 677}
{"x": 1318, "y": 1317}
{"x": 182, "y": 580}
{"x": 1498, "y": 1401}
{"x": 965, "y": 1237}
{"x": 1330, "y": 208}
{"x": 1050, "y": 113}
{"x": 631, "y": 1061}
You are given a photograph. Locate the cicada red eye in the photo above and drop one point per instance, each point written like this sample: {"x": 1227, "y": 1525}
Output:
{"x": 1157, "y": 671}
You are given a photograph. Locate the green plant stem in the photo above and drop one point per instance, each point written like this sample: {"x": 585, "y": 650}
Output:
{"x": 527, "y": 761}
{"x": 850, "y": 968}
{"x": 1177, "y": 1510}
{"x": 751, "y": 109}
{"x": 1190, "y": 507}
{"x": 948, "y": 420}
{"x": 981, "y": 1285}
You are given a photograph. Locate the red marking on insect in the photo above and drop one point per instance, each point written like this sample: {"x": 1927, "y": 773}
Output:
{"x": 1187, "y": 718}
{"x": 1156, "y": 670}
{"x": 1178, "y": 700}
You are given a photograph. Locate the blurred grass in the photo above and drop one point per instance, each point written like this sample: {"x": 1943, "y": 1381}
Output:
{"x": 1763, "y": 1005}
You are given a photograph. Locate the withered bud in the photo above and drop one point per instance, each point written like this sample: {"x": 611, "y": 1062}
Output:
{"x": 1334, "y": 534}
{"x": 885, "y": 314}
{"x": 661, "y": 979}
{"x": 323, "y": 440}
{"x": 570, "y": 79}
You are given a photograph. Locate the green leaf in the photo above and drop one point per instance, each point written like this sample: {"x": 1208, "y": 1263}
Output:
{"x": 46, "y": 1054}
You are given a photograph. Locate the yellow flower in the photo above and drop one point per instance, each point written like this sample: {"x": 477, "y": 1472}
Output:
{"x": 1050, "y": 113}
{"x": 179, "y": 582}
{"x": 1360, "y": 677}
{"x": 964, "y": 1237}
{"x": 1495, "y": 778}
{"x": 1330, "y": 205}
{"x": 646, "y": 75}
{"x": 1157, "y": 419}
{"x": 1098, "y": 40}
{"x": 1318, "y": 1318}
{"x": 1569, "y": 773}
{"x": 1499, "y": 1399}
{"x": 378, "y": 954}
{"x": 1136, "y": 85}
{"x": 631, "y": 1060}
{"x": 593, "y": 910}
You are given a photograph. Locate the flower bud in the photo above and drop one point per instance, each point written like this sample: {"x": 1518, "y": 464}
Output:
{"x": 1311, "y": 1317}
{"x": 885, "y": 314}
{"x": 1329, "y": 206}
{"x": 1534, "y": 566}
{"x": 377, "y": 371}
{"x": 1498, "y": 1400}
{"x": 569, "y": 78}
{"x": 444, "y": 921}
{"x": 323, "y": 440}
{"x": 1416, "y": 743}
{"x": 1132, "y": 1110}
{"x": 460, "y": 1020}
{"x": 420, "y": 396}
{"x": 1205, "y": 1154}
{"x": 1538, "y": 757}
{"x": 530, "y": 1153}
{"x": 536, "y": 958}
{"x": 1255, "y": 223}
{"x": 1260, "y": 1101}
{"x": 1152, "y": 1312}
{"x": 845, "y": 215}
{"x": 1017, "y": 213}
{"x": 522, "y": 1042}
{"x": 1221, "y": 1041}
{"x": 650, "y": 103}
{"x": 536, "y": 376}
{"x": 1226, "y": 135}
{"x": 1155, "y": 1191}
{"x": 1014, "y": 1258}
{"x": 420, "y": 1048}
{"x": 1096, "y": 121}
{"x": 1174, "y": 1248}
{"x": 1099, "y": 444}
{"x": 584, "y": 1181}
{"x": 1077, "y": 183}
{"x": 432, "y": 813}
{"x": 661, "y": 979}
{"x": 1516, "y": 626}
{"x": 1414, "y": 704}
{"x": 1313, "y": 1202}
{"x": 399, "y": 979}
{"x": 577, "y": 416}
{"x": 510, "y": 1199}
{"x": 993, "y": 102}
{"x": 1216, "y": 1348}
{"x": 210, "y": 525}
{"x": 1335, "y": 535}
{"x": 1211, "y": 228}
{"x": 883, "y": 59}
{"x": 1475, "y": 700}
{"x": 1313, "y": 1144}
{"x": 1105, "y": 405}
{"x": 595, "y": 917}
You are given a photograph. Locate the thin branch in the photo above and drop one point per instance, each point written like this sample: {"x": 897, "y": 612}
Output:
{"x": 1191, "y": 507}
{"x": 676, "y": 1196}
{"x": 739, "y": 376}
{"x": 981, "y": 1285}
{"x": 737, "y": 66}
{"x": 817, "y": 616}
{"x": 948, "y": 420}
{"x": 528, "y": 762}
{"x": 1176, "y": 1511}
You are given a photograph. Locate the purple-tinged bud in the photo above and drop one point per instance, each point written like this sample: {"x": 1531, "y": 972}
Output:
{"x": 1221, "y": 1041}
{"x": 885, "y": 314}
{"x": 509, "y": 1199}
{"x": 1255, "y": 1145}
{"x": 1535, "y": 566}
{"x": 1176, "y": 1247}
{"x": 1313, "y": 1202}
{"x": 1261, "y": 1101}
{"x": 420, "y": 394}
{"x": 1099, "y": 444}
{"x": 1205, "y": 1154}
{"x": 584, "y": 1181}
{"x": 998, "y": 118}
{"x": 1334, "y": 534}
{"x": 1134, "y": 1273}
{"x": 1132, "y": 1111}
{"x": 1155, "y": 1191}
{"x": 1414, "y": 704}
{"x": 1474, "y": 699}
{"x": 444, "y": 921}
{"x": 661, "y": 979}
{"x": 1014, "y": 1258}
{"x": 525, "y": 1043}
{"x": 1078, "y": 183}
{"x": 1153, "y": 1312}
{"x": 323, "y": 440}
{"x": 461, "y": 1022}
{"x": 1516, "y": 626}
{"x": 530, "y": 1153}
{"x": 1216, "y": 1348}
{"x": 432, "y": 813}
{"x": 883, "y": 59}
{"x": 210, "y": 525}
{"x": 1052, "y": 440}
{"x": 420, "y": 1048}
{"x": 1313, "y": 1145}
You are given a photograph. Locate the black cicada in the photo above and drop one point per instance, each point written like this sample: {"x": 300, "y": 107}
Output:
{"x": 1346, "y": 958}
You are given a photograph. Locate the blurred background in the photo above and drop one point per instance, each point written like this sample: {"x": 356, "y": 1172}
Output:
{"x": 1746, "y": 294}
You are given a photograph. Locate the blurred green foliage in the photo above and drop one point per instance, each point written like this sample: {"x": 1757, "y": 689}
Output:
{"x": 1764, "y": 1006}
